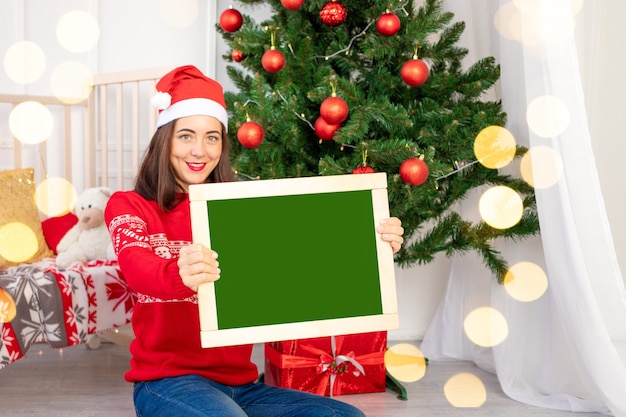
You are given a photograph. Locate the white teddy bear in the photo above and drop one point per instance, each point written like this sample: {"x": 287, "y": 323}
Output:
{"x": 88, "y": 239}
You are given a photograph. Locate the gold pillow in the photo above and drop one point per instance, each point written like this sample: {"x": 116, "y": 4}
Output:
{"x": 21, "y": 237}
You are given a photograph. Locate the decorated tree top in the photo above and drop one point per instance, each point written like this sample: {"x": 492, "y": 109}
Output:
{"x": 357, "y": 86}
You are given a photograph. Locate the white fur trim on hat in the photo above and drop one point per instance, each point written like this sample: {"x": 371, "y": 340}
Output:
{"x": 191, "y": 107}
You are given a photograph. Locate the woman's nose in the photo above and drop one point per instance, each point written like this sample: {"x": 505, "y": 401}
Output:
{"x": 197, "y": 148}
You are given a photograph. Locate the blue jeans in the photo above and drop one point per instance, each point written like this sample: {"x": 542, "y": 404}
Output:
{"x": 195, "y": 396}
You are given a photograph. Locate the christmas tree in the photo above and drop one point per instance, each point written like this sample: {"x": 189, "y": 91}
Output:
{"x": 327, "y": 88}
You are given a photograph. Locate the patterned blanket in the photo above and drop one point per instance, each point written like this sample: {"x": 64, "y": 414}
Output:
{"x": 62, "y": 307}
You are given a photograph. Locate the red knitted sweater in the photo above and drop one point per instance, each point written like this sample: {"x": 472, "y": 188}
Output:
{"x": 165, "y": 319}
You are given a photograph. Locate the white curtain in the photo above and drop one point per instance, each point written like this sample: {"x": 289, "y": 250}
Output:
{"x": 566, "y": 350}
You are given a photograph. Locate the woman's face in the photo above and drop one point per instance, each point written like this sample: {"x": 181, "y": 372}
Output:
{"x": 196, "y": 148}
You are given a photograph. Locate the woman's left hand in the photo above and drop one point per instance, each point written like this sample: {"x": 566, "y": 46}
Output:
{"x": 391, "y": 230}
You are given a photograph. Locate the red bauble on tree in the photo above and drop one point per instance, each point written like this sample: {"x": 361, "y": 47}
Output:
{"x": 250, "y": 134}
{"x": 292, "y": 4}
{"x": 273, "y": 60}
{"x": 414, "y": 171}
{"x": 325, "y": 130}
{"x": 237, "y": 55}
{"x": 388, "y": 24}
{"x": 334, "y": 110}
{"x": 231, "y": 20}
{"x": 333, "y": 14}
{"x": 363, "y": 169}
{"x": 414, "y": 72}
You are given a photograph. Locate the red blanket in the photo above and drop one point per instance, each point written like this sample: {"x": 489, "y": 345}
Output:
{"x": 62, "y": 307}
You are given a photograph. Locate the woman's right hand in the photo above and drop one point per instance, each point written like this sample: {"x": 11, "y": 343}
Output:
{"x": 197, "y": 264}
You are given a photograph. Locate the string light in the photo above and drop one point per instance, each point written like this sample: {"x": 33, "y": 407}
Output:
{"x": 362, "y": 33}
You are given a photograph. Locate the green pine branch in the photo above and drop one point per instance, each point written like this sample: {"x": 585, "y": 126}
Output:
{"x": 388, "y": 121}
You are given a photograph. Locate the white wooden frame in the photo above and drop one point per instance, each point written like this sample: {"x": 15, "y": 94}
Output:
{"x": 212, "y": 336}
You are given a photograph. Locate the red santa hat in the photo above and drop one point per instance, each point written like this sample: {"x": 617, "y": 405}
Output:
{"x": 185, "y": 91}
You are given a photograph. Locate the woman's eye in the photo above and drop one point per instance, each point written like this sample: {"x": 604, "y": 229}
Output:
{"x": 212, "y": 138}
{"x": 185, "y": 137}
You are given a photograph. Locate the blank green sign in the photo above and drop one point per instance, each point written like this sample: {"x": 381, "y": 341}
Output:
{"x": 295, "y": 258}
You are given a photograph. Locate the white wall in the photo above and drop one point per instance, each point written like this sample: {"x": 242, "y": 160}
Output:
{"x": 133, "y": 35}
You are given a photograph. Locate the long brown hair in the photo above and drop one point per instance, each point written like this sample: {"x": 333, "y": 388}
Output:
{"x": 156, "y": 179}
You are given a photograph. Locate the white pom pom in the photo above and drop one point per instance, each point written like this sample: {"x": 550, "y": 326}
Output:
{"x": 161, "y": 100}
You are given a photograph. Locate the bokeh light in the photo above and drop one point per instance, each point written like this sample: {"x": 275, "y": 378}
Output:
{"x": 8, "y": 309}
{"x": 525, "y": 281}
{"x": 510, "y": 23}
{"x": 77, "y": 31}
{"x": 24, "y": 62}
{"x": 30, "y": 122}
{"x": 405, "y": 362}
{"x": 465, "y": 390}
{"x": 501, "y": 207}
{"x": 55, "y": 196}
{"x": 533, "y": 6}
{"x": 72, "y": 82}
{"x": 553, "y": 24}
{"x": 494, "y": 147}
{"x": 178, "y": 13}
{"x": 532, "y": 22}
{"x": 541, "y": 167}
{"x": 547, "y": 116}
{"x": 18, "y": 242}
{"x": 577, "y": 6}
{"x": 486, "y": 327}
{"x": 503, "y": 20}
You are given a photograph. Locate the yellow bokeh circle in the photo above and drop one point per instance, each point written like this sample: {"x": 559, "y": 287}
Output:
{"x": 503, "y": 20}
{"x": 24, "y": 62}
{"x": 55, "y": 196}
{"x": 77, "y": 31}
{"x": 547, "y": 116}
{"x": 405, "y": 362}
{"x": 30, "y": 122}
{"x": 547, "y": 20}
{"x": 18, "y": 242}
{"x": 465, "y": 390}
{"x": 71, "y": 82}
{"x": 525, "y": 281}
{"x": 501, "y": 207}
{"x": 8, "y": 309}
{"x": 486, "y": 327}
{"x": 178, "y": 13}
{"x": 541, "y": 167}
{"x": 494, "y": 147}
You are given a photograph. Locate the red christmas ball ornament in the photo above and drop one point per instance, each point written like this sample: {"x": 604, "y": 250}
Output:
{"x": 273, "y": 60}
{"x": 325, "y": 130}
{"x": 333, "y": 14}
{"x": 292, "y": 4}
{"x": 250, "y": 134}
{"x": 414, "y": 72}
{"x": 237, "y": 55}
{"x": 414, "y": 171}
{"x": 388, "y": 24}
{"x": 334, "y": 110}
{"x": 231, "y": 20}
{"x": 363, "y": 169}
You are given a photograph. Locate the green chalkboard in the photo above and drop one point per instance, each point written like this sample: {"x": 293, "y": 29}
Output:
{"x": 299, "y": 258}
{"x": 244, "y": 231}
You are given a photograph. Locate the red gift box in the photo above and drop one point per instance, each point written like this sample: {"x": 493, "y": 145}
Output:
{"x": 336, "y": 365}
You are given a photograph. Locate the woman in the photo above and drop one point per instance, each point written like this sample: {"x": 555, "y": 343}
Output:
{"x": 151, "y": 232}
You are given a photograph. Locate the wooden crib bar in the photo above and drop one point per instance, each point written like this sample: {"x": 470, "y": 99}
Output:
{"x": 69, "y": 112}
{"x": 120, "y": 133}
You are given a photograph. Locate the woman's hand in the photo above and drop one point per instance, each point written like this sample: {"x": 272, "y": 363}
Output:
{"x": 197, "y": 264}
{"x": 391, "y": 230}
